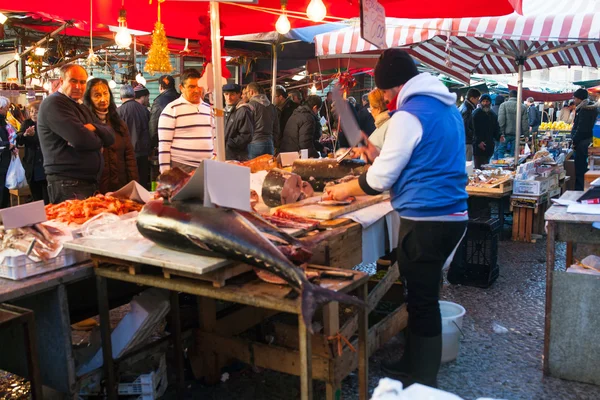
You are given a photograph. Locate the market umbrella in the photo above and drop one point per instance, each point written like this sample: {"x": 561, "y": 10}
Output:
{"x": 550, "y": 33}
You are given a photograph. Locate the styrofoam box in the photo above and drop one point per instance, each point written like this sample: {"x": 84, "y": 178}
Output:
{"x": 553, "y": 181}
{"x": 148, "y": 386}
{"x": 533, "y": 187}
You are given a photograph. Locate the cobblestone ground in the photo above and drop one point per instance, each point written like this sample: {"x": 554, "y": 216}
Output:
{"x": 498, "y": 365}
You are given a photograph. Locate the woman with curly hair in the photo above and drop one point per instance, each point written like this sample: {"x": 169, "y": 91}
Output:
{"x": 33, "y": 161}
{"x": 119, "y": 159}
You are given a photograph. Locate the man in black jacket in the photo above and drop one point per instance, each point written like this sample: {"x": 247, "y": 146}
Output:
{"x": 137, "y": 117}
{"x": 583, "y": 124}
{"x": 239, "y": 124}
{"x": 71, "y": 139}
{"x": 166, "y": 87}
{"x": 466, "y": 110}
{"x": 366, "y": 122}
{"x": 303, "y": 129}
{"x": 486, "y": 131}
{"x": 285, "y": 106}
{"x": 266, "y": 124}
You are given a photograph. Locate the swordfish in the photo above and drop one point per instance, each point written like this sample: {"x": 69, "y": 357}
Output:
{"x": 193, "y": 228}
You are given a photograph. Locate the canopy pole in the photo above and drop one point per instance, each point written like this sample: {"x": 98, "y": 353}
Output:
{"x": 520, "y": 62}
{"x": 274, "y": 83}
{"x": 215, "y": 32}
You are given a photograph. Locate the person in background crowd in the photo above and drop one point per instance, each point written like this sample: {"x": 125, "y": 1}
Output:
{"x": 239, "y": 125}
{"x": 166, "y": 87}
{"x": 8, "y": 149}
{"x": 508, "y": 125}
{"x": 303, "y": 129}
{"x": 142, "y": 95}
{"x": 486, "y": 131}
{"x": 15, "y": 116}
{"x": 567, "y": 113}
{"x": 296, "y": 96}
{"x": 185, "y": 127}
{"x": 119, "y": 158}
{"x": 71, "y": 138}
{"x": 533, "y": 115}
{"x": 497, "y": 101}
{"x": 366, "y": 122}
{"x": 353, "y": 103}
{"x": 583, "y": 124}
{"x": 266, "y": 125}
{"x": 245, "y": 98}
{"x": 286, "y": 107}
{"x": 415, "y": 171}
{"x": 137, "y": 117}
{"x": 33, "y": 161}
{"x": 466, "y": 111}
{"x": 380, "y": 116}
{"x": 326, "y": 111}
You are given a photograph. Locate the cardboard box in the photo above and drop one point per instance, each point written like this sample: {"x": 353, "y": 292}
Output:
{"x": 533, "y": 187}
{"x": 553, "y": 182}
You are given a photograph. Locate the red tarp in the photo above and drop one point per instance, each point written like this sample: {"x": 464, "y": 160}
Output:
{"x": 181, "y": 17}
{"x": 541, "y": 96}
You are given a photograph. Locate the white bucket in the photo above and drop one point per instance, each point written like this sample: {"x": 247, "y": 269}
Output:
{"x": 452, "y": 317}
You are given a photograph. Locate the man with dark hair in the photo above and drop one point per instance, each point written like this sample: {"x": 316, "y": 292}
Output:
{"x": 507, "y": 119}
{"x": 583, "y": 125}
{"x": 486, "y": 131}
{"x": 366, "y": 122}
{"x": 285, "y": 106}
{"x": 166, "y": 87}
{"x": 415, "y": 171}
{"x": 497, "y": 102}
{"x": 71, "y": 139}
{"x": 296, "y": 96}
{"x": 466, "y": 111}
{"x": 303, "y": 129}
{"x": 266, "y": 124}
{"x": 137, "y": 117}
{"x": 142, "y": 95}
{"x": 534, "y": 115}
{"x": 185, "y": 127}
{"x": 239, "y": 125}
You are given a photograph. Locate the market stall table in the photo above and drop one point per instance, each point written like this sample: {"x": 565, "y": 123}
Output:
{"x": 565, "y": 227}
{"x": 500, "y": 197}
{"x": 129, "y": 264}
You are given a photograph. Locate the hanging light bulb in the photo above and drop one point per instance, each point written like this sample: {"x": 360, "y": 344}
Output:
{"x": 112, "y": 84}
{"x": 139, "y": 78}
{"x": 123, "y": 37}
{"x": 3, "y": 18}
{"x": 17, "y": 57}
{"x": 316, "y": 10}
{"x": 46, "y": 85}
{"x": 283, "y": 23}
{"x": 39, "y": 51}
{"x": 313, "y": 89}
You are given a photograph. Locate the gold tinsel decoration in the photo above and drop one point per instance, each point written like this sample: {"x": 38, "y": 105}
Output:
{"x": 158, "y": 56}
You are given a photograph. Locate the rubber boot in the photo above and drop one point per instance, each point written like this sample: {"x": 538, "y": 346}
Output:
{"x": 400, "y": 368}
{"x": 425, "y": 355}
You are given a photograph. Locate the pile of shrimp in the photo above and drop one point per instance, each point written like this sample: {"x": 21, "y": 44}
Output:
{"x": 80, "y": 211}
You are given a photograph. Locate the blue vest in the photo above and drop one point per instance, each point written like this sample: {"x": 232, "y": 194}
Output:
{"x": 433, "y": 182}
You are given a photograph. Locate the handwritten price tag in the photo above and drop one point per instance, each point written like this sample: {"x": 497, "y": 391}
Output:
{"x": 372, "y": 23}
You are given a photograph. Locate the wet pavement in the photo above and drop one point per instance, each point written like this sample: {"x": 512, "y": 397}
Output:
{"x": 500, "y": 354}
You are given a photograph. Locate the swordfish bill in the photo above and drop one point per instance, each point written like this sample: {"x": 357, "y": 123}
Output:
{"x": 201, "y": 230}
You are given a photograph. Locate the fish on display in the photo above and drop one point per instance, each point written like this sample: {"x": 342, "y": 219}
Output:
{"x": 201, "y": 230}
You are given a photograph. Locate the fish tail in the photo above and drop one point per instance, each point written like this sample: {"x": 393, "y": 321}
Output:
{"x": 314, "y": 296}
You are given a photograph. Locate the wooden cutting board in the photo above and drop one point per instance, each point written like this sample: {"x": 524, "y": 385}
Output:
{"x": 308, "y": 208}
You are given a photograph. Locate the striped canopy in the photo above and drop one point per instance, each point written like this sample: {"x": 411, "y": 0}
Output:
{"x": 549, "y": 34}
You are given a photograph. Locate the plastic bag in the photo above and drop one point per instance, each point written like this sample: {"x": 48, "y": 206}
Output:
{"x": 15, "y": 177}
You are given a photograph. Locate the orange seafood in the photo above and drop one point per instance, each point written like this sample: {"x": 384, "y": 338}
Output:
{"x": 80, "y": 211}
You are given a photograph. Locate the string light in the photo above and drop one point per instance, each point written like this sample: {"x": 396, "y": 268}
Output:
{"x": 17, "y": 57}
{"x": 91, "y": 59}
{"x": 316, "y": 10}
{"x": 283, "y": 23}
{"x": 139, "y": 78}
{"x": 123, "y": 37}
{"x": 39, "y": 51}
{"x": 313, "y": 89}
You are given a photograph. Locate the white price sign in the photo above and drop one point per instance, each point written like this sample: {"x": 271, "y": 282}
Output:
{"x": 372, "y": 23}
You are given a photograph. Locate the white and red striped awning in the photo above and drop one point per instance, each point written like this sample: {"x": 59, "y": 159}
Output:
{"x": 461, "y": 47}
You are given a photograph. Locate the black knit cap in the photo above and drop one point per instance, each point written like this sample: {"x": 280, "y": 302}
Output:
{"x": 394, "y": 68}
{"x": 581, "y": 94}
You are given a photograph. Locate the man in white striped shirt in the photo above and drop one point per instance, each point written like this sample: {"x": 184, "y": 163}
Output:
{"x": 185, "y": 127}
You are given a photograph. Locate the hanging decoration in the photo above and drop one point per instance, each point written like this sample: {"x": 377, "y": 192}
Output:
{"x": 92, "y": 59}
{"x": 448, "y": 60}
{"x": 186, "y": 49}
{"x": 205, "y": 42}
{"x": 346, "y": 81}
{"x": 158, "y": 56}
{"x": 283, "y": 25}
{"x": 123, "y": 37}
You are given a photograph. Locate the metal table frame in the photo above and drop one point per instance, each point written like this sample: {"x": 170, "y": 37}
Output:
{"x": 237, "y": 294}
{"x": 570, "y": 228}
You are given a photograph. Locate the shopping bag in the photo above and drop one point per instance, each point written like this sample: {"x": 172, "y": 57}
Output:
{"x": 15, "y": 177}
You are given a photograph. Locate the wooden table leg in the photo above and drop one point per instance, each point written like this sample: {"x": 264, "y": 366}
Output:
{"x": 33, "y": 365}
{"x": 103, "y": 308}
{"x": 305, "y": 360}
{"x": 550, "y": 262}
{"x": 177, "y": 342}
{"x": 331, "y": 326}
{"x": 363, "y": 352}
{"x": 207, "y": 318}
{"x": 569, "y": 259}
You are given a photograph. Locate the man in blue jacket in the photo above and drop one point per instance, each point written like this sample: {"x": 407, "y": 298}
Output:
{"x": 427, "y": 188}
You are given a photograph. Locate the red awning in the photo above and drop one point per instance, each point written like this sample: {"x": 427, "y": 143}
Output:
{"x": 181, "y": 17}
{"x": 541, "y": 96}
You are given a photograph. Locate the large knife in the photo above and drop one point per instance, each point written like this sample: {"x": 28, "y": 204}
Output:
{"x": 349, "y": 125}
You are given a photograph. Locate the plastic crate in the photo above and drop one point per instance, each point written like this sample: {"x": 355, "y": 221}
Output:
{"x": 476, "y": 260}
{"x": 147, "y": 386}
